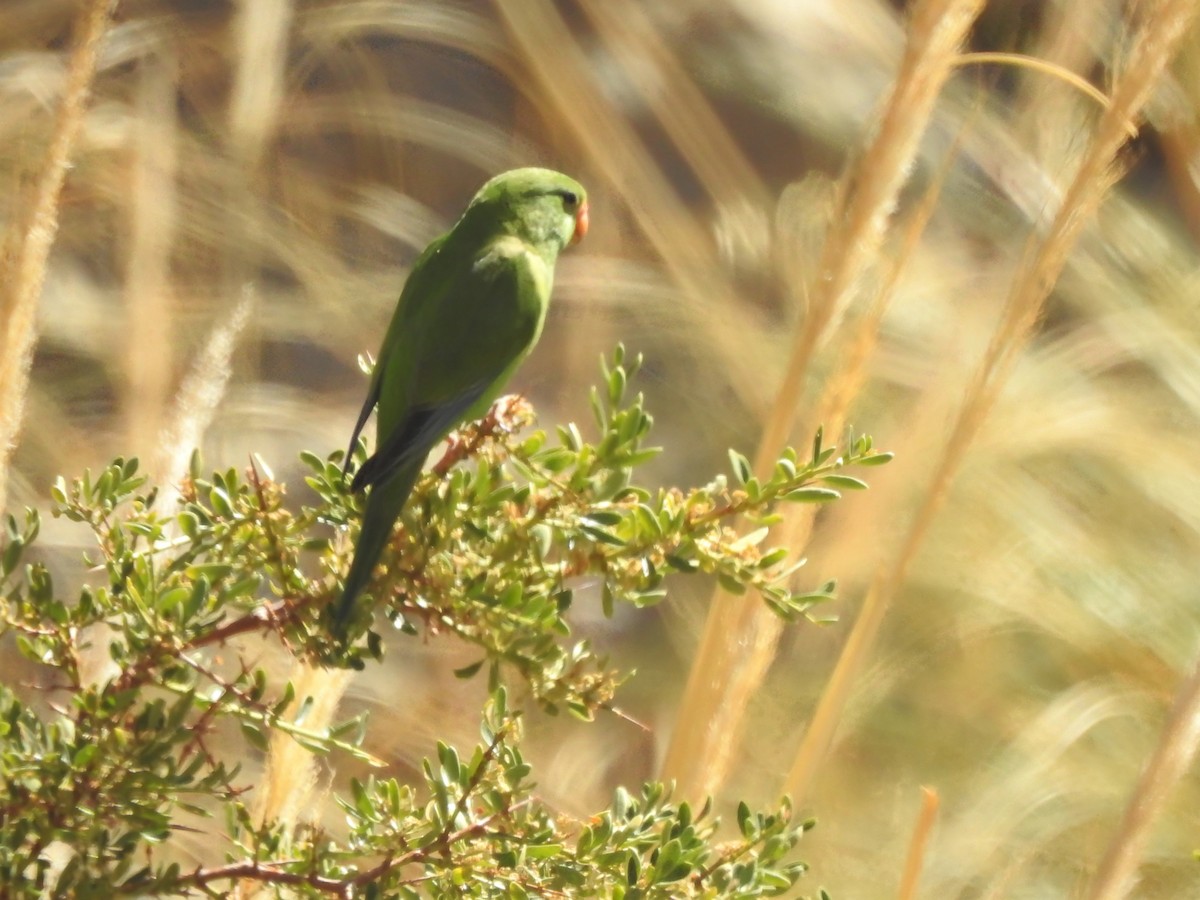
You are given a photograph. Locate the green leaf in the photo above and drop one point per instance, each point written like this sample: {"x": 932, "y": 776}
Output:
{"x": 196, "y": 598}
{"x": 533, "y": 443}
{"x": 12, "y": 555}
{"x": 84, "y": 755}
{"x": 543, "y": 851}
{"x": 745, "y": 819}
{"x": 469, "y": 671}
{"x": 812, "y": 495}
{"x": 168, "y": 600}
{"x": 730, "y": 583}
{"x": 773, "y": 558}
{"x": 811, "y": 597}
{"x": 254, "y": 735}
{"x": 220, "y": 502}
{"x": 824, "y": 457}
{"x": 876, "y": 459}
{"x": 599, "y": 534}
{"x": 451, "y": 765}
{"x": 607, "y": 601}
{"x": 570, "y": 437}
{"x": 598, "y": 411}
{"x": 634, "y": 458}
{"x": 845, "y": 481}
{"x": 741, "y": 467}
{"x": 604, "y": 517}
{"x": 681, "y": 563}
{"x": 556, "y": 460}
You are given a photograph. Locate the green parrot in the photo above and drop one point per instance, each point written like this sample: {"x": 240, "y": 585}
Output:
{"x": 470, "y": 312}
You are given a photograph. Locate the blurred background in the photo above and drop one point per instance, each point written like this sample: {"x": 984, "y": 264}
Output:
{"x": 253, "y": 179}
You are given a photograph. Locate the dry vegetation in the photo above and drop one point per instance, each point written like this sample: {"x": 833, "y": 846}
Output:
{"x": 803, "y": 212}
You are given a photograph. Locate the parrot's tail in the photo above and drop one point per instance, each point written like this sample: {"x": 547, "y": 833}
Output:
{"x": 384, "y": 504}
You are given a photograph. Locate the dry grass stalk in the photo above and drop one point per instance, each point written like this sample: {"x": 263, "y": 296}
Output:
{"x": 916, "y": 846}
{"x": 30, "y": 237}
{"x": 1049, "y": 115}
{"x": 575, "y": 101}
{"x": 739, "y": 638}
{"x": 854, "y": 356}
{"x": 1045, "y": 257}
{"x": 261, "y": 31}
{"x": 289, "y": 789}
{"x": 461, "y": 28}
{"x": 1041, "y": 67}
{"x": 202, "y": 390}
{"x": 688, "y": 119}
{"x": 254, "y": 108}
{"x": 1170, "y": 762}
{"x": 936, "y": 33}
{"x": 149, "y": 367}
{"x": 679, "y": 105}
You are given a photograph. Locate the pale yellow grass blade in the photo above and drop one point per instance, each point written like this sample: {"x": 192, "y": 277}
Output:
{"x": 739, "y": 639}
{"x": 30, "y": 236}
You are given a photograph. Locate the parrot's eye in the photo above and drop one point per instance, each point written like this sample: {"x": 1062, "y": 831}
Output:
{"x": 570, "y": 199}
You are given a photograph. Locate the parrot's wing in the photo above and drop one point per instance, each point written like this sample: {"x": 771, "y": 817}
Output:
{"x": 399, "y": 324}
{"x": 419, "y": 432}
{"x": 445, "y": 383}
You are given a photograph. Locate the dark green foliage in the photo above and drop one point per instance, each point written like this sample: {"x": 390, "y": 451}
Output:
{"x": 100, "y": 772}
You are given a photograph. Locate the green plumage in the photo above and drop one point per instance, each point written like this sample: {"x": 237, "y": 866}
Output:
{"x": 471, "y": 310}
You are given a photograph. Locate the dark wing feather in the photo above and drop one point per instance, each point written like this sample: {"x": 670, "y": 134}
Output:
{"x": 423, "y": 427}
{"x": 401, "y": 321}
{"x": 364, "y": 414}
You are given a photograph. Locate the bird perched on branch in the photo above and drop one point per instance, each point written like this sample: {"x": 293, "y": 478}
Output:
{"x": 471, "y": 310}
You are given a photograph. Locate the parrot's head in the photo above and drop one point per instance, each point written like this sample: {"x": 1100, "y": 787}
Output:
{"x": 540, "y": 206}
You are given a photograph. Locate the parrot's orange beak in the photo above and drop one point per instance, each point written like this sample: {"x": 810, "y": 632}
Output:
{"x": 581, "y": 223}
